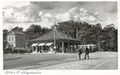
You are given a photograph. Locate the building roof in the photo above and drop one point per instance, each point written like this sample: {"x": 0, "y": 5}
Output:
{"x": 54, "y": 34}
{"x": 17, "y": 32}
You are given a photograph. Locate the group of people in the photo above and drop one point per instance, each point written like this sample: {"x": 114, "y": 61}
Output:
{"x": 85, "y": 50}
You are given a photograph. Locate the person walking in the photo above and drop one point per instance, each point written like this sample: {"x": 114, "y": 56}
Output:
{"x": 86, "y": 53}
{"x": 79, "y": 53}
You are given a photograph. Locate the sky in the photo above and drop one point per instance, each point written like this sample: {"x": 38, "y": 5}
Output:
{"x": 46, "y": 14}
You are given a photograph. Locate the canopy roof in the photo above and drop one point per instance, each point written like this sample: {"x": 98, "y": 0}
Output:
{"x": 41, "y": 44}
{"x": 53, "y": 34}
{"x": 35, "y": 44}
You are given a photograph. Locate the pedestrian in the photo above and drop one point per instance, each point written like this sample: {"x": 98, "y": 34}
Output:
{"x": 86, "y": 53}
{"x": 79, "y": 53}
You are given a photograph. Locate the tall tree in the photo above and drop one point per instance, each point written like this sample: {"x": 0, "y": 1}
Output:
{"x": 110, "y": 34}
{"x": 35, "y": 31}
{"x": 5, "y": 33}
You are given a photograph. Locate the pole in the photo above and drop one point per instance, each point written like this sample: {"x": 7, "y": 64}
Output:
{"x": 62, "y": 47}
{"x": 54, "y": 40}
{"x": 77, "y": 33}
{"x": 99, "y": 47}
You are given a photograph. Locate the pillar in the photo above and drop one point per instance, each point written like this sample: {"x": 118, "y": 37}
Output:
{"x": 42, "y": 49}
{"x": 62, "y": 47}
{"x": 51, "y": 49}
{"x": 68, "y": 46}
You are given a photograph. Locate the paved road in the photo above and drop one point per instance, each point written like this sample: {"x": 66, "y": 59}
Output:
{"x": 98, "y": 60}
{"x": 109, "y": 64}
{"x": 94, "y": 64}
{"x": 40, "y": 60}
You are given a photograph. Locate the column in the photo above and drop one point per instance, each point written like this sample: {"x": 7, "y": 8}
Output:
{"x": 62, "y": 47}
{"x": 68, "y": 46}
{"x": 42, "y": 49}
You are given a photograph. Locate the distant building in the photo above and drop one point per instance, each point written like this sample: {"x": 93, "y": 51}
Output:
{"x": 16, "y": 39}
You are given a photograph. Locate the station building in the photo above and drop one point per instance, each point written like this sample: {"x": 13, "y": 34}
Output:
{"x": 54, "y": 41}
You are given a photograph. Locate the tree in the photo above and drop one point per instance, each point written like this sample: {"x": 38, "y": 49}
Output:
{"x": 35, "y": 31}
{"x": 69, "y": 28}
{"x": 5, "y": 33}
{"x": 110, "y": 34}
{"x": 90, "y": 34}
{"x": 86, "y": 33}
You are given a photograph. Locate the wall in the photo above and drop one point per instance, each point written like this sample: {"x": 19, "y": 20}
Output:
{"x": 20, "y": 40}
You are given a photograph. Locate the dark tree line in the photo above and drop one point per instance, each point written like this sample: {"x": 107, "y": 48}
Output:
{"x": 35, "y": 31}
{"x": 83, "y": 31}
{"x": 5, "y": 33}
{"x": 91, "y": 34}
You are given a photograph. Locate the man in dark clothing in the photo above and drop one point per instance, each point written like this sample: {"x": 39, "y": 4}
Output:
{"x": 80, "y": 53}
{"x": 87, "y": 53}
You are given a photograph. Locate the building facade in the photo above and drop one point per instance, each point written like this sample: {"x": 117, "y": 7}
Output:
{"x": 16, "y": 39}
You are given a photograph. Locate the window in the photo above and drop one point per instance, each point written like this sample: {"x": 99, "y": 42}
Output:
{"x": 9, "y": 38}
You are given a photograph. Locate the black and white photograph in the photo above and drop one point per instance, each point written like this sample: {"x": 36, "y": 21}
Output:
{"x": 60, "y": 35}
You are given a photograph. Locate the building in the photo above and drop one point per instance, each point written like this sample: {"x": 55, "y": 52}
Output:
{"x": 54, "y": 41}
{"x": 16, "y": 39}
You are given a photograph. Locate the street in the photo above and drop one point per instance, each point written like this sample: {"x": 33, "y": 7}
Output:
{"x": 110, "y": 64}
{"x": 67, "y": 61}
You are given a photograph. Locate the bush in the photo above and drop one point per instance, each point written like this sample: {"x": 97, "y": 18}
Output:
{"x": 17, "y": 50}
{"x": 8, "y": 50}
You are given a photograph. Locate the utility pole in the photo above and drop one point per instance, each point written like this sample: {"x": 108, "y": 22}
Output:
{"x": 54, "y": 40}
{"x": 77, "y": 36}
{"x": 99, "y": 45}
{"x": 77, "y": 33}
